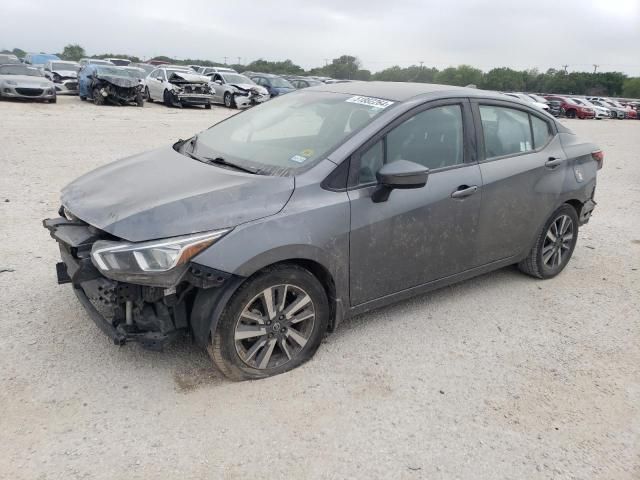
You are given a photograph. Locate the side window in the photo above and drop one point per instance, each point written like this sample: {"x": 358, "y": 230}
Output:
{"x": 217, "y": 77}
{"x": 506, "y": 131}
{"x": 433, "y": 138}
{"x": 541, "y": 131}
{"x": 370, "y": 162}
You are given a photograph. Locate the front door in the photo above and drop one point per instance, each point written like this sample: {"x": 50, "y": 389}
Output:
{"x": 418, "y": 235}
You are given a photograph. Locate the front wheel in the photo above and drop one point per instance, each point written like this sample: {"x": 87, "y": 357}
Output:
{"x": 228, "y": 100}
{"x": 166, "y": 98}
{"x": 139, "y": 100}
{"x": 98, "y": 99}
{"x": 272, "y": 324}
{"x": 554, "y": 245}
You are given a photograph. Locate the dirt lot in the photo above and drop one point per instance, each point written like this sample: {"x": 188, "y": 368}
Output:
{"x": 502, "y": 376}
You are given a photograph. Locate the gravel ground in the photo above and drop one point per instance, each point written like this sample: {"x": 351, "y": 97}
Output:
{"x": 498, "y": 377}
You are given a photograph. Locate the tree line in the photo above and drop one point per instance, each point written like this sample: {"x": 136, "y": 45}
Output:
{"x": 615, "y": 84}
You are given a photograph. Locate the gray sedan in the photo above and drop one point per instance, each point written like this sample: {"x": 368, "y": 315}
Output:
{"x": 265, "y": 231}
{"x": 22, "y": 81}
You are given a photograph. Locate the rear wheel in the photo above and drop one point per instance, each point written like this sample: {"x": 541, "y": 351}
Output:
{"x": 571, "y": 114}
{"x": 554, "y": 245}
{"x": 273, "y": 323}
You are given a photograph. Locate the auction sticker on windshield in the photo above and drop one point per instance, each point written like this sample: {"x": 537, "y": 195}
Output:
{"x": 370, "y": 101}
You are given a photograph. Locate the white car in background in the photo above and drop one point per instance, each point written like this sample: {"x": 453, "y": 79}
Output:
{"x": 64, "y": 76}
{"x": 526, "y": 98}
{"x": 600, "y": 112}
{"x": 179, "y": 86}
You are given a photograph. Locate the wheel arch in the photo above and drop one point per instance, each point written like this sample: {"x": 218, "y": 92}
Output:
{"x": 210, "y": 303}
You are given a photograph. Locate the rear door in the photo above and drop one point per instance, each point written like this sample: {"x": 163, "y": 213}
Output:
{"x": 422, "y": 234}
{"x": 523, "y": 168}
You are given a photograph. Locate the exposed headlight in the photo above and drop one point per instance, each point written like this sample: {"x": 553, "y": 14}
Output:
{"x": 158, "y": 262}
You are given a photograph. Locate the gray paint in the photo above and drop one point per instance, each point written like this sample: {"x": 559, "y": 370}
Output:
{"x": 376, "y": 253}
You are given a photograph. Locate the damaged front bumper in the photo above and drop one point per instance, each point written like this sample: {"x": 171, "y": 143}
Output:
{"x": 245, "y": 101}
{"x": 126, "y": 312}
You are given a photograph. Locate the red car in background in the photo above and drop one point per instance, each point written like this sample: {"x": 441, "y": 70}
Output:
{"x": 571, "y": 108}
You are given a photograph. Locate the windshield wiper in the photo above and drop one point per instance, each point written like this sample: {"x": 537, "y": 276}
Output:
{"x": 222, "y": 161}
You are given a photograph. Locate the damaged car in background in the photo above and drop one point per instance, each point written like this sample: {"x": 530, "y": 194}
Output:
{"x": 106, "y": 84}
{"x": 24, "y": 81}
{"x": 178, "y": 87}
{"x": 237, "y": 91}
{"x": 64, "y": 76}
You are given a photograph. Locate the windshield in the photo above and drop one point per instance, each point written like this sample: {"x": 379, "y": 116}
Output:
{"x": 65, "y": 66}
{"x": 136, "y": 73}
{"x": 289, "y": 133}
{"x": 109, "y": 70}
{"x": 280, "y": 83}
{"x": 147, "y": 68}
{"x": 20, "y": 70}
{"x": 236, "y": 78}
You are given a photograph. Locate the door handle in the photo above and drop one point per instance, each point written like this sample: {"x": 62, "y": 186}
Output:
{"x": 553, "y": 162}
{"x": 464, "y": 191}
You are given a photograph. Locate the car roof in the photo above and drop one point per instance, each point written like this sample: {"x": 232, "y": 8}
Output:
{"x": 402, "y": 91}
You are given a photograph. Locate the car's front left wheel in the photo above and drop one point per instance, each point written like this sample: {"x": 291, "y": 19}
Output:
{"x": 272, "y": 324}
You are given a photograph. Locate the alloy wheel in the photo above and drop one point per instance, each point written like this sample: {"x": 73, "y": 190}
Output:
{"x": 274, "y": 326}
{"x": 557, "y": 243}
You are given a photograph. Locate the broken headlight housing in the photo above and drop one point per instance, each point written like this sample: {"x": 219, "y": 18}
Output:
{"x": 158, "y": 263}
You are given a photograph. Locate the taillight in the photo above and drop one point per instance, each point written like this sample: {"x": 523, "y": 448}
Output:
{"x": 598, "y": 156}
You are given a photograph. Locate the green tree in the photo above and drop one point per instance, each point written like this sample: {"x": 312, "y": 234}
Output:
{"x": 631, "y": 88}
{"x": 504, "y": 79}
{"x": 73, "y": 52}
{"x": 461, "y": 76}
{"x": 345, "y": 67}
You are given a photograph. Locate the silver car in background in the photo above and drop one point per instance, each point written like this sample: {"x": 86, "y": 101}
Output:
{"x": 64, "y": 76}
{"x": 237, "y": 91}
{"x": 23, "y": 81}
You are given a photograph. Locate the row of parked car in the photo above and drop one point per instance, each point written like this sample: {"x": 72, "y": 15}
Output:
{"x": 119, "y": 81}
{"x": 580, "y": 107}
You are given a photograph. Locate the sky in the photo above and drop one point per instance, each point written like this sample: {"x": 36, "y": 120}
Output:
{"x": 520, "y": 34}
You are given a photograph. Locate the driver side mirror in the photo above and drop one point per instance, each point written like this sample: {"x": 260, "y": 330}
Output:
{"x": 401, "y": 174}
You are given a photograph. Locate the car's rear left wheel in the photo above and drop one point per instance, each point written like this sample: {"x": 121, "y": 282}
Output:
{"x": 554, "y": 246}
{"x": 273, "y": 323}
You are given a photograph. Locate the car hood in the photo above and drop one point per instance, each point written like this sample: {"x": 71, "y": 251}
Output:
{"x": 184, "y": 77}
{"x": 163, "y": 193}
{"x": 27, "y": 81}
{"x": 66, "y": 73}
{"x": 249, "y": 87}
{"x": 118, "y": 81}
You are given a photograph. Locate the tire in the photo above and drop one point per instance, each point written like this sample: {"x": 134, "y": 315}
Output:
{"x": 55, "y": 100}
{"x": 207, "y": 106}
{"x": 140, "y": 100}
{"x": 148, "y": 95}
{"x": 82, "y": 98}
{"x": 270, "y": 344}
{"x": 98, "y": 99}
{"x": 544, "y": 261}
{"x": 166, "y": 98}
{"x": 228, "y": 100}
{"x": 571, "y": 114}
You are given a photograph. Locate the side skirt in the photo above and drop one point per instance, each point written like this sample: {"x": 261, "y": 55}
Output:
{"x": 428, "y": 287}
